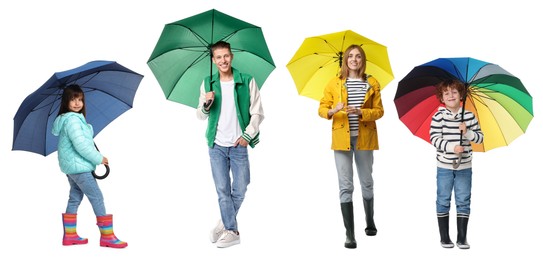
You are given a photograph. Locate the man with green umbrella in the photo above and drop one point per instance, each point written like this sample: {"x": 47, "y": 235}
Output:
{"x": 230, "y": 101}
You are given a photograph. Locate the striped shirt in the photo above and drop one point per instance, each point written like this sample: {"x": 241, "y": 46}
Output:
{"x": 445, "y": 135}
{"x": 356, "y": 93}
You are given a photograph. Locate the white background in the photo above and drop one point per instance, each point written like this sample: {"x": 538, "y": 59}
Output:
{"x": 160, "y": 189}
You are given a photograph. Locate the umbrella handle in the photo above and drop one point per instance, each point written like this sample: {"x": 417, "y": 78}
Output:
{"x": 100, "y": 177}
{"x": 207, "y": 104}
{"x": 456, "y": 163}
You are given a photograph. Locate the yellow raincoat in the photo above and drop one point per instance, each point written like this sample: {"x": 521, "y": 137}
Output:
{"x": 372, "y": 109}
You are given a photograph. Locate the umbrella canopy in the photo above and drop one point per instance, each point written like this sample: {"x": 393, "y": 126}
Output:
{"x": 498, "y": 99}
{"x": 109, "y": 91}
{"x": 182, "y": 56}
{"x": 318, "y": 60}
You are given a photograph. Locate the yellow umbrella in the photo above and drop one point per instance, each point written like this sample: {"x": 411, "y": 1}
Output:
{"x": 318, "y": 60}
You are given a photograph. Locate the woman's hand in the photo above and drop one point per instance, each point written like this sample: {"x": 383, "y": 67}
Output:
{"x": 353, "y": 110}
{"x": 338, "y": 107}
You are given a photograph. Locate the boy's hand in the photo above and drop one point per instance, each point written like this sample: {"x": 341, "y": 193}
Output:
{"x": 462, "y": 127}
{"x": 210, "y": 96}
{"x": 458, "y": 149}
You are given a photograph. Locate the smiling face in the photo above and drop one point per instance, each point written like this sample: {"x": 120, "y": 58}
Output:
{"x": 76, "y": 104}
{"x": 222, "y": 57}
{"x": 451, "y": 92}
{"x": 354, "y": 60}
{"x": 72, "y": 100}
{"x": 451, "y": 99}
{"x": 353, "y": 63}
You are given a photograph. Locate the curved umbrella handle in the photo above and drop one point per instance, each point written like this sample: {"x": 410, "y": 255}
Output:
{"x": 100, "y": 177}
{"x": 457, "y": 163}
{"x": 207, "y": 104}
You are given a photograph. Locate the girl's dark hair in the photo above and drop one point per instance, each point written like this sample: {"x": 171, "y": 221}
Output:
{"x": 70, "y": 92}
{"x": 450, "y": 83}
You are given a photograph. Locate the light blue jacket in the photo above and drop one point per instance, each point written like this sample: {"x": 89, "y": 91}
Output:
{"x": 76, "y": 150}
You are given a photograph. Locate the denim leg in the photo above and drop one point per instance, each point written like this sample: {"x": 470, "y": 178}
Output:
{"x": 364, "y": 166}
{"x": 241, "y": 176}
{"x": 85, "y": 183}
{"x": 231, "y": 194}
{"x": 462, "y": 190}
{"x": 75, "y": 197}
{"x": 445, "y": 181}
{"x": 344, "y": 167}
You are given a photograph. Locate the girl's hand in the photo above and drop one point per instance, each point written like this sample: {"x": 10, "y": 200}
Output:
{"x": 105, "y": 161}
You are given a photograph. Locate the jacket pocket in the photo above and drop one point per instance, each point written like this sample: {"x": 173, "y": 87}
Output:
{"x": 337, "y": 125}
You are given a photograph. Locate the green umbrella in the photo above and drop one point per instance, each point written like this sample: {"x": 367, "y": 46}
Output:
{"x": 181, "y": 58}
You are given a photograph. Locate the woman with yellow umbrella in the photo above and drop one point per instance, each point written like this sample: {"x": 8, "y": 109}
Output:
{"x": 353, "y": 102}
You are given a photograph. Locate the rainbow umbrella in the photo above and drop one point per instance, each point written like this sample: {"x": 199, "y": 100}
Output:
{"x": 498, "y": 99}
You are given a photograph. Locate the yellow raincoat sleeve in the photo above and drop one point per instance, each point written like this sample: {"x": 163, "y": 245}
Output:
{"x": 373, "y": 105}
{"x": 330, "y": 98}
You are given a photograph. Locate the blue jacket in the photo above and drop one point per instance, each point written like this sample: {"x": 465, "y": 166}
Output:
{"x": 76, "y": 150}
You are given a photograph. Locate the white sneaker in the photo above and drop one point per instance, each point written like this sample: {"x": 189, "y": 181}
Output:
{"x": 216, "y": 232}
{"x": 228, "y": 238}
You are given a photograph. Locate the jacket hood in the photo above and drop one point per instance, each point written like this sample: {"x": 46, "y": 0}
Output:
{"x": 59, "y": 122}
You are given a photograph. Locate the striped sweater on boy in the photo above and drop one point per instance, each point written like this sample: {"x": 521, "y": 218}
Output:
{"x": 445, "y": 135}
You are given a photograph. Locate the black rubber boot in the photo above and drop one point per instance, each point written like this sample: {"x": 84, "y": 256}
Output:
{"x": 443, "y": 222}
{"x": 462, "y": 226}
{"x": 371, "y": 230}
{"x": 348, "y": 221}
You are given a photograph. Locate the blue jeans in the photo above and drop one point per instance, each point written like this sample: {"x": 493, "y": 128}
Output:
{"x": 460, "y": 181}
{"x": 364, "y": 166}
{"x": 231, "y": 192}
{"x": 85, "y": 184}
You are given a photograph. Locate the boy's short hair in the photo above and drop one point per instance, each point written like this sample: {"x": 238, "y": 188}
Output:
{"x": 450, "y": 83}
{"x": 220, "y": 45}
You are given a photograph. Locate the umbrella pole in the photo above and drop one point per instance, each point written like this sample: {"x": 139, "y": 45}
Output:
{"x": 338, "y": 73}
{"x": 455, "y": 163}
{"x": 208, "y": 102}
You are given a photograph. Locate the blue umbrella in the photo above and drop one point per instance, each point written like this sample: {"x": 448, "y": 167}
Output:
{"x": 109, "y": 92}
